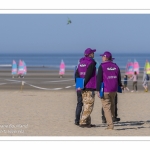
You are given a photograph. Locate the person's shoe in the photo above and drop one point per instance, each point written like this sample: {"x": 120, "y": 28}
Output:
{"x": 116, "y": 119}
{"x": 109, "y": 128}
{"x": 76, "y": 123}
{"x": 132, "y": 91}
{"x": 93, "y": 125}
{"x": 84, "y": 126}
{"x": 103, "y": 120}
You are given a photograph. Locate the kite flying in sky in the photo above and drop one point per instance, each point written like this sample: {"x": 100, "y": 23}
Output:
{"x": 69, "y": 21}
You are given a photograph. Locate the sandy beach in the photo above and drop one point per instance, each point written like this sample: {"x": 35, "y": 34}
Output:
{"x": 44, "y": 111}
{"x": 52, "y": 113}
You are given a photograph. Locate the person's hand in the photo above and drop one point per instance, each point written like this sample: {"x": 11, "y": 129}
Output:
{"x": 78, "y": 89}
{"x": 122, "y": 87}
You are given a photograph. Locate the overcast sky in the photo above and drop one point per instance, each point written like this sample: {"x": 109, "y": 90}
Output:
{"x": 49, "y": 33}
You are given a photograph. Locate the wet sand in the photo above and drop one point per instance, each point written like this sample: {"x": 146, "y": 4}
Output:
{"x": 46, "y": 80}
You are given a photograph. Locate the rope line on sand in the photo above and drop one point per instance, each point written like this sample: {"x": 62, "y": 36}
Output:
{"x": 34, "y": 86}
{"x": 68, "y": 87}
{"x": 12, "y": 80}
{"x": 42, "y": 88}
{"x": 60, "y": 80}
{"x": 46, "y": 88}
{"x": 2, "y": 83}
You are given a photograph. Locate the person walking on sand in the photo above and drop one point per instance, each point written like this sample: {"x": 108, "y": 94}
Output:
{"x": 125, "y": 83}
{"x": 134, "y": 77}
{"x": 87, "y": 70}
{"x": 109, "y": 74}
{"x": 145, "y": 81}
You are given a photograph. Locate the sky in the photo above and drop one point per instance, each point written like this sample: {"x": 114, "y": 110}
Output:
{"x": 49, "y": 33}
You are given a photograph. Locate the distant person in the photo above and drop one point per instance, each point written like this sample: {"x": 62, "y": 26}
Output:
{"x": 125, "y": 83}
{"x": 145, "y": 81}
{"x": 87, "y": 70}
{"x": 109, "y": 74}
{"x": 134, "y": 77}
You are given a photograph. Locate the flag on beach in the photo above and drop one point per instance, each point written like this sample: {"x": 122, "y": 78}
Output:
{"x": 147, "y": 67}
{"x": 129, "y": 68}
{"x": 62, "y": 68}
{"x": 20, "y": 68}
{"x": 25, "y": 68}
{"x": 14, "y": 68}
{"x": 136, "y": 66}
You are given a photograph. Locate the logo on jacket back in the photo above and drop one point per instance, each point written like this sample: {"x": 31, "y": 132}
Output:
{"x": 111, "y": 68}
{"x": 82, "y": 65}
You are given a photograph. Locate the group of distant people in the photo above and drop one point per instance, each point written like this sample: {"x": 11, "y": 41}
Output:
{"x": 134, "y": 77}
{"x": 108, "y": 74}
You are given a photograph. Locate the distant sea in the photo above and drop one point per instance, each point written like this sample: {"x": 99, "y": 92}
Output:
{"x": 52, "y": 61}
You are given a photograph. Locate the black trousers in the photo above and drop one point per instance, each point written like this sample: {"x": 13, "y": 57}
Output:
{"x": 78, "y": 107}
{"x": 116, "y": 101}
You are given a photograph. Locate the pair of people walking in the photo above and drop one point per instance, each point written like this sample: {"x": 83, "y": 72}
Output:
{"x": 134, "y": 77}
{"x": 109, "y": 74}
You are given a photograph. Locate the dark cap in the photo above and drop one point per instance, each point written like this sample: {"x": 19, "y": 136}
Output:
{"x": 108, "y": 55}
{"x": 88, "y": 51}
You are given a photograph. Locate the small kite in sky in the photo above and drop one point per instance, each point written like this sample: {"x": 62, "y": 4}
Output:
{"x": 69, "y": 21}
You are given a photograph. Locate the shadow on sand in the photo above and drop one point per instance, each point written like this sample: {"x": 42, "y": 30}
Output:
{"x": 129, "y": 125}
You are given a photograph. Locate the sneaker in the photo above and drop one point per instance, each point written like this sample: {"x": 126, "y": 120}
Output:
{"x": 116, "y": 119}
{"x": 132, "y": 91}
{"x": 93, "y": 125}
{"x": 109, "y": 128}
{"x": 76, "y": 123}
{"x": 84, "y": 126}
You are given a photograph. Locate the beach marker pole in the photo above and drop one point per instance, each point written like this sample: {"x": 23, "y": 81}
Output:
{"x": 22, "y": 84}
